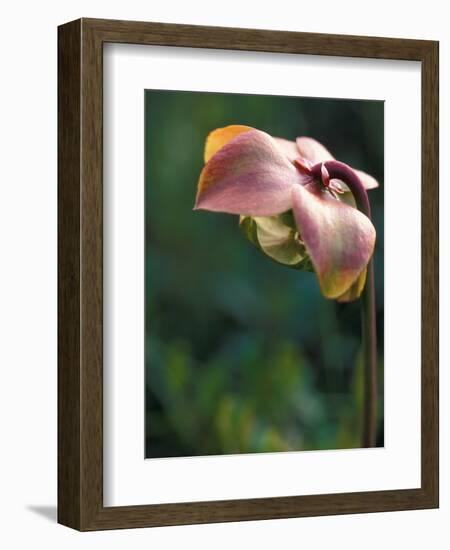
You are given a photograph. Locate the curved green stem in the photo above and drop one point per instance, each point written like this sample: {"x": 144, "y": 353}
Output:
{"x": 344, "y": 173}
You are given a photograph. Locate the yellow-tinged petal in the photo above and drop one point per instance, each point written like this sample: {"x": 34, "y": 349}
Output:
{"x": 220, "y": 137}
{"x": 355, "y": 290}
{"x": 339, "y": 239}
{"x": 250, "y": 176}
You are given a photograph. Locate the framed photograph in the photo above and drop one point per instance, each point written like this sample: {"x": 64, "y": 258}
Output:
{"x": 248, "y": 274}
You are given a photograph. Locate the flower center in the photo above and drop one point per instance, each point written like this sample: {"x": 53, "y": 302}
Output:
{"x": 333, "y": 186}
{"x": 321, "y": 178}
{"x": 303, "y": 165}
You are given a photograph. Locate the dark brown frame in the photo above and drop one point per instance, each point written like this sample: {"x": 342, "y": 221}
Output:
{"x": 80, "y": 414}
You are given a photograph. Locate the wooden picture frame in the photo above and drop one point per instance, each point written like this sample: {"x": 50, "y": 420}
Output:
{"x": 80, "y": 271}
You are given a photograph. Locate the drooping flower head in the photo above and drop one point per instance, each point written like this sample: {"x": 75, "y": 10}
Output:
{"x": 295, "y": 216}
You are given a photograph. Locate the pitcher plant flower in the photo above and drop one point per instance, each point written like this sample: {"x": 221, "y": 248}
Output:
{"x": 295, "y": 204}
{"x": 303, "y": 209}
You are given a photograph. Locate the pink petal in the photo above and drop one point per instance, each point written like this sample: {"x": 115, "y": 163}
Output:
{"x": 368, "y": 181}
{"x": 289, "y": 148}
{"x": 339, "y": 239}
{"x": 249, "y": 176}
{"x": 312, "y": 150}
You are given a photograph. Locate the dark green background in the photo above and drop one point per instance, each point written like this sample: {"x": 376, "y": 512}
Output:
{"x": 243, "y": 354}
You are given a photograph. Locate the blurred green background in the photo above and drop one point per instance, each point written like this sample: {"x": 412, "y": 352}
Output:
{"x": 242, "y": 354}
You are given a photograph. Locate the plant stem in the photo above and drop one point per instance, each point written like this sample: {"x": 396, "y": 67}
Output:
{"x": 370, "y": 360}
{"x": 344, "y": 173}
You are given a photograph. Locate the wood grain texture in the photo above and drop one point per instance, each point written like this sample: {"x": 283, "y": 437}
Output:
{"x": 430, "y": 272}
{"x": 69, "y": 243}
{"x": 80, "y": 264}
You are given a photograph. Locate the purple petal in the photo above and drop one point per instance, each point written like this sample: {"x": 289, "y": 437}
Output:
{"x": 249, "y": 176}
{"x": 339, "y": 239}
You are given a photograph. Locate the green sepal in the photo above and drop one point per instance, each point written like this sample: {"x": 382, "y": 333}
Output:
{"x": 277, "y": 237}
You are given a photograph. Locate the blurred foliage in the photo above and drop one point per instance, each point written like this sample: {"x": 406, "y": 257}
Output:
{"x": 242, "y": 354}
